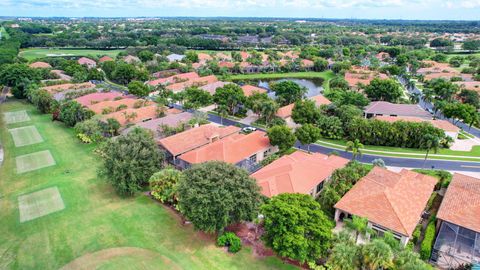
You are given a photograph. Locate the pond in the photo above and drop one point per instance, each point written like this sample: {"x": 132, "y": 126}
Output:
{"x": 314, "y": 86}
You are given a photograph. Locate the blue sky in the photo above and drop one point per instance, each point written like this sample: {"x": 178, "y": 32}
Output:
{"x": 361, "y": 9}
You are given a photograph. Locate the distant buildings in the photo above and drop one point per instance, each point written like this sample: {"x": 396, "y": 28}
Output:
{"x": 87, "y": 62}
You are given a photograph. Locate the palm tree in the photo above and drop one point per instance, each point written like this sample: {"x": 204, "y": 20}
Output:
{"x": 377, "y": 254}
{"x": 222, "y": 112}
{"x": 414, "y": 98}
{"x": 429, "y": 142}
{"x": 354, "y": 147}
{"x": 358, "y": 225}
{"x": 268, "y": 110}
{"x": 344, "y": 256}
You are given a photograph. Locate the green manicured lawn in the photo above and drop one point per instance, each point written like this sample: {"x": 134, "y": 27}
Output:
{"x": 35, "y": 53}
{"x": 403, "y": 152}
{"x": 325, "y": 75}
{"x": 4, "y": 32}
{"x": 96, "y": 227}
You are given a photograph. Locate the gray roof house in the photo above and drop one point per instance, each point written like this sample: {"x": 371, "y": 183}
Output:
{"x": 175, "y": 57}
{"x": 379, "y": 108}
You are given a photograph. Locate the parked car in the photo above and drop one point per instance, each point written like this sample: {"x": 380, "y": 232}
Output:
{"x": 249, "y": 129}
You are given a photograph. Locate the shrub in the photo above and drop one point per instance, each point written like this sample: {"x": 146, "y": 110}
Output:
{"x": 84, "y": 138}
{"x": 107, "y": 110}
{"x": 121, "y": 107}
{"x": 430, "y": 200}
{"x": 416, "y": 233}
{"x": 230, "y": 240}
{"x": 269, "y": 159}
{"x": 426, "y": 247}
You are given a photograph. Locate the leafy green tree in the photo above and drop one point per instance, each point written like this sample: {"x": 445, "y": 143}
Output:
{"x": 281, "y": 136}
{"x": 95, "y": 74}
{"x": 108, "y": 67}
{"x": 384, "y": 90}
{"x": 307, "y": 134}
{"x": 213, "y": 195}
{"x": 441, "y": 89}
{"x": 196, "y": 98}
{"x": 288, "y": 92}
{"x": 377, "y": 254}
{"x": 222, "y": 112}
{"x": 231, "y": 96}
{"x": 320, "y": 64}
{"x": 138, "y": 89}
{"x": 305, "y": 111}
{"x": 459, "y": 111}
{"x": 111, "y": 127}
{"x": 296, "y": 227}
{"x": 145, "y": 55}
{"x": 191, "y": 56}
{"x": 130, "y": 160}
{"x": 19, "y": 77}
{"x": 124, "y": 73}
{"x": 339, "y": 83}
{"x": 470, "y": 97}
{"x": 72, "y": 112}
{"x": 355, "y": 147}
{"x": 471, "y": 45}
{"x": 41, "y": 99}
{"x": 330, "y": 127}
{"x": 164, "y": 184}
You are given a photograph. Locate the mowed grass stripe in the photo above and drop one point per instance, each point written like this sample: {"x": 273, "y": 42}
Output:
{"x": 16, "y": 117}
{"x": 40, "y": 203}
{"x": 25, "y": 136}
{"x": 34, "y": 161}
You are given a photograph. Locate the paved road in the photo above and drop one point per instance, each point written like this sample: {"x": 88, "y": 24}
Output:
{"x": 389, "y": 161}
{"x": 429, "y": 106}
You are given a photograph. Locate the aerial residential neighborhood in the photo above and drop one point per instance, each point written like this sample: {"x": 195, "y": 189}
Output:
{"x": 240, "y": 135}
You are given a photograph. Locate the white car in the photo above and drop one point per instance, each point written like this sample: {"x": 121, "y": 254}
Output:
{"x": 249, "y": 129}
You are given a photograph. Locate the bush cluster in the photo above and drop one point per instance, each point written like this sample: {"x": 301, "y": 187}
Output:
{"x": 230, "y": 240}
{"x": 427, "y": 243}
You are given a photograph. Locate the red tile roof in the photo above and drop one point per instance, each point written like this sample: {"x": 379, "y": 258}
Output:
{"x": 435, "y": 67}
{"x": 392, "y": 200}
{"x": 129, "y": 102}
{"x": 231, "y": 149}
{"x": 196, "y": 137}
{"x": 226, "y": 64}
{"x": 142, "y": 114}
{"x": 97, "y": 97}
{"x": 474, "y": 86}
{"x": 68, "y": 86}
{"x": 86, "y": 61}
{"x": 362, "y": 76}
{"x": 248, "y": 90}
{"x": 461, "y": 203}
{"x": 441, "y": 124}
{"x": 104, "y": 59}
{"x": 286, "y": 111}
{"x": 175, "y": 78}
{"x": 298, "y": 172}
{"x": 177, "y": 87}
{"x": 40, "y": 65}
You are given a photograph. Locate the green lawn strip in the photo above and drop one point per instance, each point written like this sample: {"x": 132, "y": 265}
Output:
{"x": 34, "y": 53}
{"x": 94, "y": 217}
{"x": 473, "y": 155}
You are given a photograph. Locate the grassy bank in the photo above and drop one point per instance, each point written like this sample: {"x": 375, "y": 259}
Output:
{"x": 4, "y": 33}
{"x": 442, "y": 154}
{"x": 35, "y": 53}
{"x": 97, "y": 228}
{"x": 325, "y": 75}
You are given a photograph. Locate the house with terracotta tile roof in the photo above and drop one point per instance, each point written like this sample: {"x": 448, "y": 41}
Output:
{"x": 435, "y": 67}
{"x": 98, "y": 97}
{"x": 200, "y": 81}
{"x": 40, "y": 65}
{"x": 299, "y": 172}
{"x": 447, "y": 76}
{"x": 133, "y": 116}
{"x": 170, "y": 120}
{"x": 473, "y": 85}
{"x": 130, "y": 59}
{"x": 249, "y": 90}
{"x": 243, "y": 150}
{"x": 384, "y": 108}
{"x": 382, "y": 56}
{"x": 285, "y": 112}
{"x": 449, "y": 128}
{"x": 194, "y": 138}
{"x": 53, "y": 89}
{"x": 61, "y": 74}
{"x": 361, "y": 76}
{"x": 105, "y": 59}
{"x": 203, "y": 57}
{"x": 226, "y": 64}
{"x": 177, "y": 78}
{"x": 87, "y": 62}
{"x": 109, "y": 106}
{"x": 212, "y": 87}
{"x": 458, "y": 224}
{"x": 390, "y": 201}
